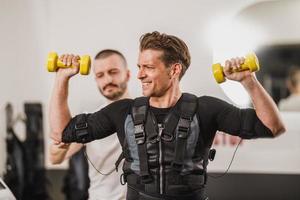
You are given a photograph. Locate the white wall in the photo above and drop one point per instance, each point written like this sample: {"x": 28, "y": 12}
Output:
{"x": 22, "y": 51}
{"x": 32, "y": 28}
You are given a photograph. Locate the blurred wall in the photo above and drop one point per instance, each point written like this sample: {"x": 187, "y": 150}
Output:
{"x": 22, "y": 50}
{"x": 278, "y": 19}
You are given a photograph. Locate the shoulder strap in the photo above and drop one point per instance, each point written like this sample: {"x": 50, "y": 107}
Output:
{"x": 187, "y": 109}
{"x": 139, "y": 113}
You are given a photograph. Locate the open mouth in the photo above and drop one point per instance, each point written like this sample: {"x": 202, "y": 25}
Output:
{"x": 145, "y": 84}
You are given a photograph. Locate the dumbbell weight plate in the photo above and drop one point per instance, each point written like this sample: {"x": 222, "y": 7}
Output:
{"x": 85, "y": 65}
{"x": 51, "y": 61}
{"x": 252, "y": 62}
{"x": 218, "y": 73}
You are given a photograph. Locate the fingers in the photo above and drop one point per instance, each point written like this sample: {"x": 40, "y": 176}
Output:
{"x": 234, "y": 140}
{"x": 56, "y": 142}
{"x": 63, "y": 58}
{"x": 242, "y": 60}
{"x": 61, "y": 144}
{"x": 234, "y": 64}
{"x": 224, "y": 139}
{"x": 75, "y": 60}
{"x": 55, "y": 138}
{"x": 70, "y": 59}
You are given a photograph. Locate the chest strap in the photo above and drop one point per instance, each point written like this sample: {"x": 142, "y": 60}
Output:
{"x": 139, "y": 113}
{"x": 186, "y": 111}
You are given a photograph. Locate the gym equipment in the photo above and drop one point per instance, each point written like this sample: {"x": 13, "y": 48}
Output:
{"x": 15, "y": 161}
{"x": 5, "y": 193}
{"x": 77, "y": 182}
{"x": 25, "y": 172}
{"x": 251, "y": 63}
{"x": 53, "y": 63}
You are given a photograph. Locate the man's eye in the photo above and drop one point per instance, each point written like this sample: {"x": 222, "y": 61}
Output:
{"x": 114, "y": 72}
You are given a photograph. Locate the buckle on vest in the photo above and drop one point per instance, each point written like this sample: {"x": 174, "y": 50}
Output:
{"x": 183, "y": 127}
{"x": 211, "y": 154}
{"x": 139, "y": 134}
{"x": 80, "y": 126}
{"x": 146, "y": 179}
{"x": 81, "y": 132}
{"x": 167, "y": 137}
{"x": 183, "y": 132}
{"x": 123, "y": 179}
{"x": 177, "y": 166}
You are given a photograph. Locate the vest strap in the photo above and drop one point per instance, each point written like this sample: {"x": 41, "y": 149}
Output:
{"x": 187, "y": 110}
{"x": 139, "y": 113}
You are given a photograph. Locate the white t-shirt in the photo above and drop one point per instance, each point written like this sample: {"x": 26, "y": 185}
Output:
{"x": 103, "y": 154}
{"x": 292, "y": 103}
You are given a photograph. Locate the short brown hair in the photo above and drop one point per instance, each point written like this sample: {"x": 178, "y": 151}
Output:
{"x": 108, "y": 52}
{"x": 174, "y": 49}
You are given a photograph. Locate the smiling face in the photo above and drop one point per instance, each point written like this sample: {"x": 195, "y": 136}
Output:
{"x": 153, "y": 73}
{"x": 111, "y": 76}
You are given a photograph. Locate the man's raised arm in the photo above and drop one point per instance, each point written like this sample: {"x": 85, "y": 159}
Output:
{"x": 265, "y": 107}
{"x": 59, "y": 110}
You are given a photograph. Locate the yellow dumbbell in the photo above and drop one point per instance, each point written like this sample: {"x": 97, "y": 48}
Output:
{"x": 251, "y": 63}
{"x": 53, "y": 63}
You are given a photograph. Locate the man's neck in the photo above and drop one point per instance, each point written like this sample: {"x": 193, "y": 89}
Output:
{"x": 124, "y": 96}
{"x": 169, "y": 99}
{"x": 297, "y": 90}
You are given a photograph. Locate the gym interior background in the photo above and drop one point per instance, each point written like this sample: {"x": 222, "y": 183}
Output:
{"x": 264, "y": 169}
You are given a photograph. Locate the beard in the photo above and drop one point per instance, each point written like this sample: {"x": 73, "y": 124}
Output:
{"x": 115, "y": 95}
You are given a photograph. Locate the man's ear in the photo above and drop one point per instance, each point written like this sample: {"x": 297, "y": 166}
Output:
{"x": 175, "y": 70}
{"x": 128, "y": 75}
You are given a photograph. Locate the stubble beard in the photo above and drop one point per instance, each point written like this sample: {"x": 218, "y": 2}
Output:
{"x": 116, "y": 95}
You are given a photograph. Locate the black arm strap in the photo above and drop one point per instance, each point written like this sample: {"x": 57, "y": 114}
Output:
{"x": 81, "y": 129}
{"x": 79, "y": 133}
{"x": 139, "y": 113}
{"x": 187, "y": 110}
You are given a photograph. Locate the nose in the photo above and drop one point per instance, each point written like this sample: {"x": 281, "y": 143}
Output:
{"x": 141, "y": 74}
{"x": 107, "y": 79}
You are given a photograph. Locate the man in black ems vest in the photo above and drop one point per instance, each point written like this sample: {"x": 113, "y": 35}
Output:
{"x": 166, "y": 135}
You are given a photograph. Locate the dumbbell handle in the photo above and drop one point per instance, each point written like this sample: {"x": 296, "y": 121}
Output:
{"x": 62, "y": 65}
{"x": 243, "y": 67}
{"x": 251, "y": 63}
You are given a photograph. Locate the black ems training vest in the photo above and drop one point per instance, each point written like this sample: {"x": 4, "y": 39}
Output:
{"x": 165, "y": 160}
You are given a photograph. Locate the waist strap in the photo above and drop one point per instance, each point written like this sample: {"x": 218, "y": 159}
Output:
{"x": 133, "y": 194}
{"x": 174, "y": 184}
